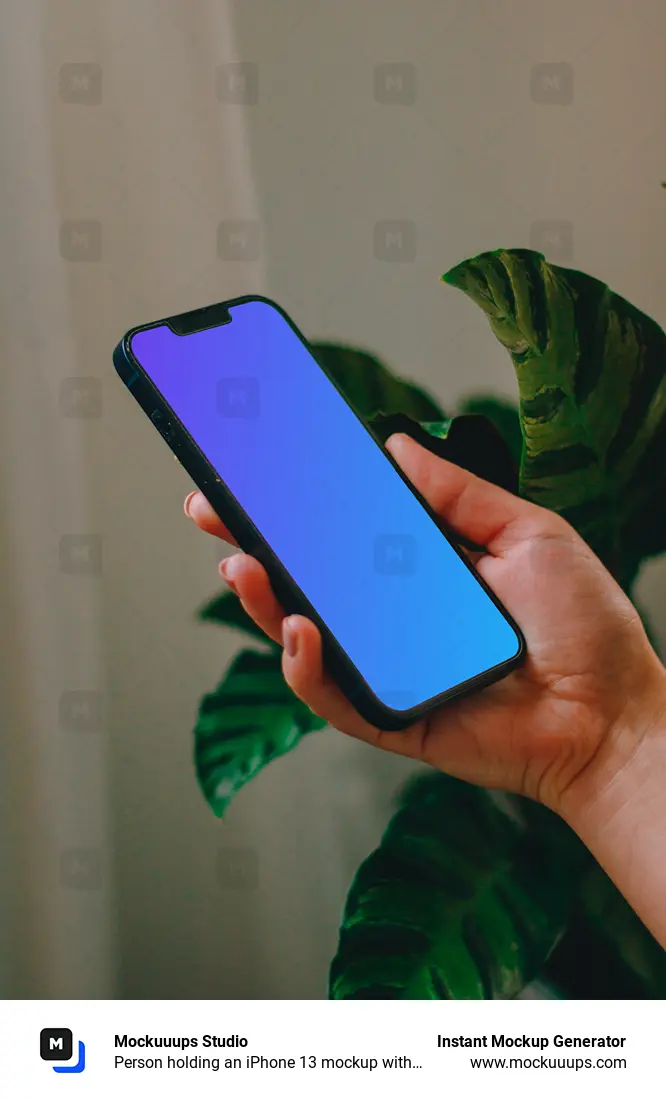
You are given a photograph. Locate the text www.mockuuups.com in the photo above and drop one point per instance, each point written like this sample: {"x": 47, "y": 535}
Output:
{"x": 559, "y": 1054}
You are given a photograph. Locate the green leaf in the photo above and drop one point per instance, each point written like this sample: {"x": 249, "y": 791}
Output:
{"x": 607, "y": 952}
{"x": 227, "y": 610}
{"x": 591, "y": 372}
{"x": 614, "y": 921}
{"x": 463, "y": 899}
{"x": 250, "y": 719}
{"x": 370, "y": 387}
{"x": 504, "y": 415}
{"x": 431, "y": 434}
{"x": 471, "y": 441}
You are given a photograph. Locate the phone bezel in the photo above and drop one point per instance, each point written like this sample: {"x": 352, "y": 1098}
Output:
{"x": 293, "y": 600}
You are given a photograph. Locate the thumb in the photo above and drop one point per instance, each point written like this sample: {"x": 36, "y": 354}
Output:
{"x": 474, "y": 508}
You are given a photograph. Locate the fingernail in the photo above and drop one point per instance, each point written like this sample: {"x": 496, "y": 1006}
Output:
{"x": 289, "y": 637}
{"x": 188, "y": 502}
{"x": 397, "y": 439}
{"x": 229, "y": 569}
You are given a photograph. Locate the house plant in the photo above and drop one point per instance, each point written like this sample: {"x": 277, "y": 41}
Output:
{"x": 471, "y": 893}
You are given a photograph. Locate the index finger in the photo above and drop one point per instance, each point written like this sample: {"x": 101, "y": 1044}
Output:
{"x": 485, "y": 513}
{"x": 201, "y": 512}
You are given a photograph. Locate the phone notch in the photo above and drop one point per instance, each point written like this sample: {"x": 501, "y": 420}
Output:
{"x": 197, "y": 320}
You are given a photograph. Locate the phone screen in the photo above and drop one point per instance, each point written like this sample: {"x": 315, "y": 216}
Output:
{"x": 319, "y": 489}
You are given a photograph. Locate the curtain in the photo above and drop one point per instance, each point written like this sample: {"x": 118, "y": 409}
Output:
{"x": 125, "y": 194}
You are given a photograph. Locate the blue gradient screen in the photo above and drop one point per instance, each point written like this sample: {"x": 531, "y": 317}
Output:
{"x": 373, "y": 564}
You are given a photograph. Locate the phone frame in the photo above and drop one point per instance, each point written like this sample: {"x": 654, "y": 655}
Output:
{"x": 290, "y": 596}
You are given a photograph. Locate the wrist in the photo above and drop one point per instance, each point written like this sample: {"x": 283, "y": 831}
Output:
{"x": 629, "y": 766}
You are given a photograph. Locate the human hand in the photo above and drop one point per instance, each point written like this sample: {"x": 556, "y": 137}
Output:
{"x": 591, "y": 684}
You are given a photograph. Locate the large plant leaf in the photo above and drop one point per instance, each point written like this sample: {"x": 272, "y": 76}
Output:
{"x": 372, "y": 388}
{"x": 615, "y": 923}
{"x": 471, "y": 441}
{"x": 591, "y": 372}
{"x": 463, "y": 899}
{"x": 250, "y": 719}
{"x": 622, "y": 960}
{"x": 504, "y": 415}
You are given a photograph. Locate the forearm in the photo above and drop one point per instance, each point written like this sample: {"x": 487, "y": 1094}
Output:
{"x": 619, "y": 808}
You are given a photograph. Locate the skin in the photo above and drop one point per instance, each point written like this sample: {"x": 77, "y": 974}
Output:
{"x": 580, "y": 726}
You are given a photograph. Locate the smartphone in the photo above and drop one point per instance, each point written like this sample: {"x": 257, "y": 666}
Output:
{"x": 304, "y": 486}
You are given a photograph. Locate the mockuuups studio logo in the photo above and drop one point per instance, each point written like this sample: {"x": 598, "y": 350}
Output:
{"x": 56, "y": 1044}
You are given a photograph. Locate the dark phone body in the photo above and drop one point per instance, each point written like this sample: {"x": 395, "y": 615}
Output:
{"x": 336, "y": 660}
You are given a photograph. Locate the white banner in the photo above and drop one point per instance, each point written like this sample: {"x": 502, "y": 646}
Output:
{"x": 363, "y": 1049}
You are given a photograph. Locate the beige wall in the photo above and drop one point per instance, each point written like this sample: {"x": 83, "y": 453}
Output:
{"x": 474, "y": 163}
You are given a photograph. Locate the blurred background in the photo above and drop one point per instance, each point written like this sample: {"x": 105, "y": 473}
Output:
{"x": 338, "y": 156}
